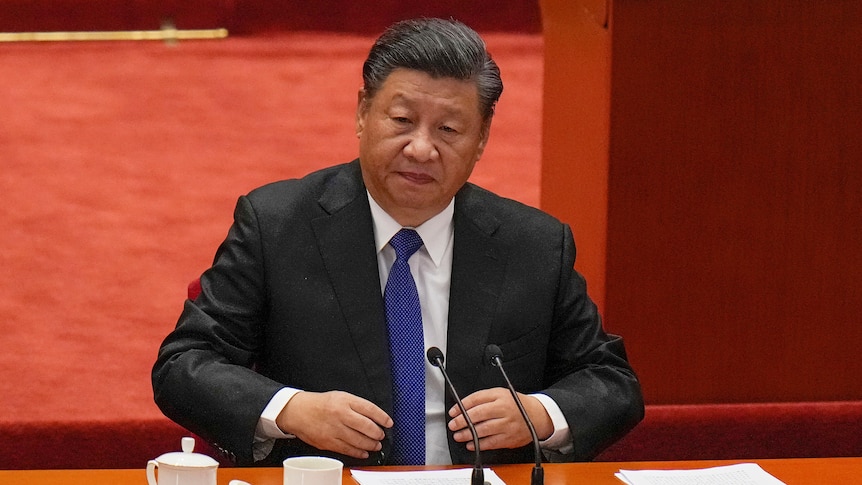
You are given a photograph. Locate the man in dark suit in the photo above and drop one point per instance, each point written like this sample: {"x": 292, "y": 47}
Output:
{"x": 287, "y": 350}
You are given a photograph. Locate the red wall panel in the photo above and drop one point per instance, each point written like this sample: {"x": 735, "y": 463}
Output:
{"x": 734, "y": 186}
{"x": 242, "y": 17}
{"x": 735, "y": 198}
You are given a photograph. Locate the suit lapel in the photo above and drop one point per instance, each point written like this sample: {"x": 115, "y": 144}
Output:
{"x": 345, "y": 237}
{"x": 478, "y": 268}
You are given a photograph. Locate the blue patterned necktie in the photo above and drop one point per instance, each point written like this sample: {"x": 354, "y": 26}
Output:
{"x": 407, "y": 345}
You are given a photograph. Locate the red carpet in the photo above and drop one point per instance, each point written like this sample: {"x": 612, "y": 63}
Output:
{"x": 121, "y": 163}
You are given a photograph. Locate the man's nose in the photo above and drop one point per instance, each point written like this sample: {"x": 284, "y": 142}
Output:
{"x": 421, "y": 147}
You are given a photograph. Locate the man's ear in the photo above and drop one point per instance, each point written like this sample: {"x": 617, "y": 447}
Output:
{"x": 361, "y": 111}
{"x": 483, "y": 140}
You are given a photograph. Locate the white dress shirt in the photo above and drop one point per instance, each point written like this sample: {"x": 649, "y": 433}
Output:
{"x": 431, "y": 267}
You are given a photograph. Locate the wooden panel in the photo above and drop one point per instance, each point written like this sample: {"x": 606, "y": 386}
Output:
{"x": 244, "y": 17}
{"x": 575, "y": 128}
{"x": 735, "y": 198}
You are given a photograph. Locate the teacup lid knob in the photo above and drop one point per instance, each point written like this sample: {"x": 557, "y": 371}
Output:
{"x": 187, "y": 458}
{"x": 188, "y": 444}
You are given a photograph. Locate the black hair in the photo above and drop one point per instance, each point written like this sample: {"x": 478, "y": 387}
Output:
{"x": 440, "y": 48}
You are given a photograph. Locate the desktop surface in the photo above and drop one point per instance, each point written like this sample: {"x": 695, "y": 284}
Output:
{"x": 796, "y": 471}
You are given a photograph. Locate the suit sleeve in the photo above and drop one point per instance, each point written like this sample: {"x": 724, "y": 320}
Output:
{"x": 587, "y": 372}
{"x": 203, "y": 377}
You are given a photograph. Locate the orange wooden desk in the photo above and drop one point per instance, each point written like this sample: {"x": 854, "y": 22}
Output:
{"x": 800, "y": 471}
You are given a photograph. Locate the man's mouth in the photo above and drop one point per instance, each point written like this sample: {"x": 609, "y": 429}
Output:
{"x": 417, "y": 178}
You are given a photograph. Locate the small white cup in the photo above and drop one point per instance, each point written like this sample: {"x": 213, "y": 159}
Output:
{"x": 312, "y": 470}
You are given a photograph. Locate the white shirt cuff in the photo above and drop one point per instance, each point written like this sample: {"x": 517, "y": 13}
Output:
{"x": 266, "y": 426}
{"x": 560, "y": 440}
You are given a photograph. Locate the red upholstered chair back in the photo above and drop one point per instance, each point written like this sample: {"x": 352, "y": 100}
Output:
{"x": 194, "y": 288}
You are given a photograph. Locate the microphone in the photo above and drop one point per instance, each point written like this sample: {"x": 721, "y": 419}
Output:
{"x": 494, "y": 355}
{"x": 435, "y": 357}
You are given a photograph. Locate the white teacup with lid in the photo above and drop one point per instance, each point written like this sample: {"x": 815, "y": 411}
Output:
{"x": 183, "y": 468}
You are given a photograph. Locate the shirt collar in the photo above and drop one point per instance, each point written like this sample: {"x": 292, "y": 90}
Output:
{"x": 435, "y": 232}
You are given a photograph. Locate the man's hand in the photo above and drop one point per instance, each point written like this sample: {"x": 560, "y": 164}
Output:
{"x": 498, "y": 421}
{"x": 335, "y": 421}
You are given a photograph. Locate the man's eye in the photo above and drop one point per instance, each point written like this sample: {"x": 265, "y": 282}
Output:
{"x": 448, "y": 129}
{"x": 401, "y": 119}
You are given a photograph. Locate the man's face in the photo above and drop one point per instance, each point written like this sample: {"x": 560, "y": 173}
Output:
{"x": 419, "y": 139}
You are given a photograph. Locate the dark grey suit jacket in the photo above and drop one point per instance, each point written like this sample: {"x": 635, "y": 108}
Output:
{"x": 293, "y": 299}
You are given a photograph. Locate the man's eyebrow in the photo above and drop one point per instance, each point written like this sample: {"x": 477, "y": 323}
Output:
{"x": 450, "y": 109}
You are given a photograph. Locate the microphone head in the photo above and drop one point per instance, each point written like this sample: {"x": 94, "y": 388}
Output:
{"x": 435, "y": 356}
{"x": 492, "y": 353}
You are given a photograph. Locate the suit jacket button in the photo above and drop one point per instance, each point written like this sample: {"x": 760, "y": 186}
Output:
{"x": 381, "y": 458}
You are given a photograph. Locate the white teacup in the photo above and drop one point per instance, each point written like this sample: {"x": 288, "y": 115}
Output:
{"x": 182, "y": 468}
{"x": 312, "y": 470}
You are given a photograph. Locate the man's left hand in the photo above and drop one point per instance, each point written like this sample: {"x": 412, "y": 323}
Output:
{"x": 498, "y": 421}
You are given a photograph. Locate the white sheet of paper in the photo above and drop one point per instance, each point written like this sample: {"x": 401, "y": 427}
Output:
{"x": 740, "y": 474}
{"x": 458, "y": 476}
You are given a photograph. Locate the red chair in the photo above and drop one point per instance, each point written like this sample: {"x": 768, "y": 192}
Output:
{"x": 194, "y": 288}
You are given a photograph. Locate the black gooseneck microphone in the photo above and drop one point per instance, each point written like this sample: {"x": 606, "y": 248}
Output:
{"x": 435, "y": 357}
{"x": 494, "y": 356}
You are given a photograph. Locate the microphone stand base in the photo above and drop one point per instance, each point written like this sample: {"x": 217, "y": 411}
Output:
{"x": 538, "y": 476}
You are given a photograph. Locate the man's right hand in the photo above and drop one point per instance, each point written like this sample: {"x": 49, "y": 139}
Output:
{"x": 335, "y": 421}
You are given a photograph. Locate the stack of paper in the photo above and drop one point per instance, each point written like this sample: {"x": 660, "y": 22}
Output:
{"x": 741, "y": 474}
{"x": 458, "y": 476}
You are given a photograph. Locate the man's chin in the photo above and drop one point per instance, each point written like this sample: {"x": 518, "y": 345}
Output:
{"x": 413, "y": 211}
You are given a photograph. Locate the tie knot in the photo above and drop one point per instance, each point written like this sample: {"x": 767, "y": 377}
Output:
{"x": 405, "y": 242}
